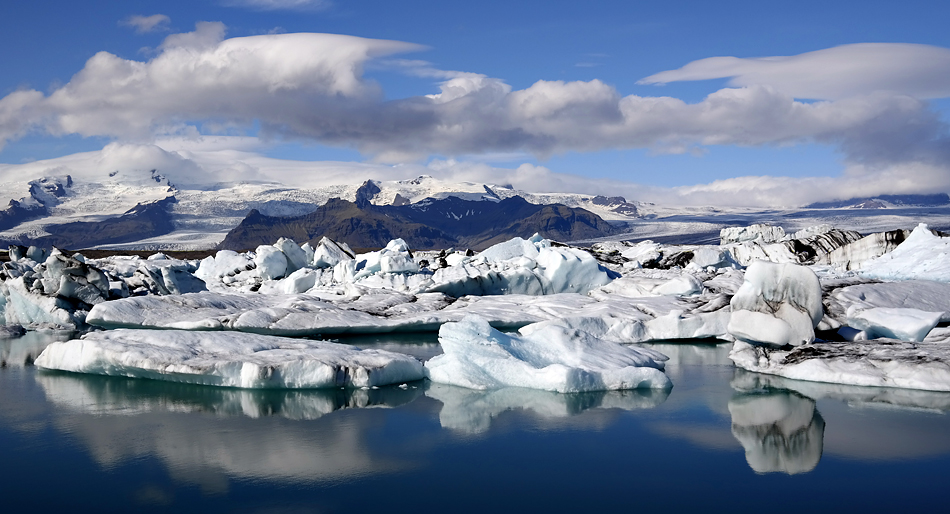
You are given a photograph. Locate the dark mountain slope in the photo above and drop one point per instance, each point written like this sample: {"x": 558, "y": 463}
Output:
{"x": 449, "y": 222}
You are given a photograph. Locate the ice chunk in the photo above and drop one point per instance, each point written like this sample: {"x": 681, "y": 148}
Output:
{"x": 229, "y": 359}
{"x": 299, "y": 281}
{"x": 778, "y": 304}
{"x": 329, "y": 253}
{"x": 556, "y": 270}
{"x": 395, "y": 258}
{"x": 554, "y": 359}
{"x": 923, "y": 256}
{"x": 684, "y": 285}
{"x": 270, "y": 262}
{"x": 857, "y": 254}
{"x": 901, "y": 324}
{"x": 924, "y": 295}
{"x": 878, "y": 362}
{"x": 508, "y": 250}
{"x": 780, "y": 431}
{"x": 296, "y": 256}
{"x": 759, "y": 232}
{"x": 706, "y": 257}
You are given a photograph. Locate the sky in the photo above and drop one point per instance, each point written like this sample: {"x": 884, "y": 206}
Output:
{"x": 683, "y": 102}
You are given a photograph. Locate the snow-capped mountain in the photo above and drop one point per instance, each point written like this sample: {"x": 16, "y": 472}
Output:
{"x": 40, "y": 210}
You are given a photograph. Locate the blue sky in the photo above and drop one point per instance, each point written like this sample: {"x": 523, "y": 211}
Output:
{"x": 43, "y": 44}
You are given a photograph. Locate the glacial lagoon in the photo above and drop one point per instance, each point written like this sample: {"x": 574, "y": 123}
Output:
{"x": 722, "y": 439}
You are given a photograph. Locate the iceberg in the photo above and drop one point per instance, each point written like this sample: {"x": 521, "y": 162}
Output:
{"x": 877, "y": 363}
{"x": 922, "y": 256}
{"x": 247, "y": 361}
{"x": 777, "y": 305}
{"x": 901, "y": 324}
{"x": 554, "y": 358}
{"x": 923, "y": 295}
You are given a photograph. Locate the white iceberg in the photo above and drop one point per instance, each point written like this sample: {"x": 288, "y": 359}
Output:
{"x": 894, "y": 323}
{"x": 553, "y": 359}
{"x": 778, "y": 305}
{"x": 229, "y": 359}
{"x": 924, "y": 295}
{"x": 877, "y": 363}
{"x": 761, "y": 233}
{"x": 922, "y": 256}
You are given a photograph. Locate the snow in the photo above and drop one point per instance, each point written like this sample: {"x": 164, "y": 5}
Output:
{"x": 229, "y": 359}
{"x": 551, "y": 359}
{"x": 877, "y": 363}
{"x": 901, "y": 324}
{"x": 778, "y": 305}
{"x": 922, "y": 256}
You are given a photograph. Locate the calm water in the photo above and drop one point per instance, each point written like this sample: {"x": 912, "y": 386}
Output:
{"x": 721, "y": 440}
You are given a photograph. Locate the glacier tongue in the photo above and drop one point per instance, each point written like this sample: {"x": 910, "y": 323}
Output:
{"x": 229, "y": 359}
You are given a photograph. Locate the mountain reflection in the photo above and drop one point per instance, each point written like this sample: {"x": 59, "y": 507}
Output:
{"x": 781, "y": 431}
{"x": 472, "y": 411}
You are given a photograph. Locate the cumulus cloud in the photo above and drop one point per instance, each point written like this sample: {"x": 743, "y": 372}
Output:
{"x": 143, "y": 24}
{"x": 280, "y": 5}
{"x": 920, "y": 71}
{"x": 311, "y": 87}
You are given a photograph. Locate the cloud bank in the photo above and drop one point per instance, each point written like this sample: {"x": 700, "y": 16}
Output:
{"x": 311, "y": 87}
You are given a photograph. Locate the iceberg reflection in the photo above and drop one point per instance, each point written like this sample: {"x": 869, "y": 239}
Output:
{"x": 472, "y": 411}
{"x": 93, "y": 394}
{"x": 781, "y": 431}
{"x": 207, "y": 435}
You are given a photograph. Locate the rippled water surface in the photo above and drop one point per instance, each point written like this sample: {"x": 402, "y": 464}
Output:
{"x": 721, "y": 440}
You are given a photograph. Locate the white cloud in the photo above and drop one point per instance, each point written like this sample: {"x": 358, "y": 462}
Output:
{"x": 280, "y": 5}
{"x": 143, "y": 24}
{"x": 311, "y": 87}
{"x": 921, "y": 71}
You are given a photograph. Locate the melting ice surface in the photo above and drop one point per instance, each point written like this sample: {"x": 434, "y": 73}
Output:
{"x": 115, "y": 443}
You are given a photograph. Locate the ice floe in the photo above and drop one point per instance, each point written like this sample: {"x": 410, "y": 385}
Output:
{"x": 552, "y": 358}
{"x": 878, "y": 363}
{"x": 229, "y": 359}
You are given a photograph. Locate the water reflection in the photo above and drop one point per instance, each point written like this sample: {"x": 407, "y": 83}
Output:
{"x": 781, "y": 431}
{"x": 208, "y": 435}
{"x": 22, "y": 350}
{"x": 100, "y": 395}
{"x": 473, "y": 411}
{"x": 853, "y": 396}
